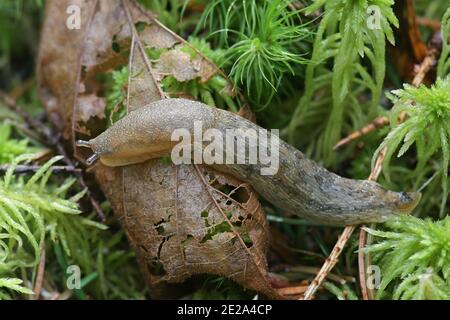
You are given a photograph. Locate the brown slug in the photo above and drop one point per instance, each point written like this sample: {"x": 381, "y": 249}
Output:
{"x": 299, "y": 186}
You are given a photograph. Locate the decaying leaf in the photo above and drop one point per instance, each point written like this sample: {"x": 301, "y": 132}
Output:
{"x": 108, "y": 27}
{"x": 58, "y": 61}
{"x": 186, "y": 220}
{"x": 177, "y": 63}
{"x": 154, "y": 36}
{"x": 181, "y": 220}
{"x": 142, "y": 86}
{"x": 90, "y": 106}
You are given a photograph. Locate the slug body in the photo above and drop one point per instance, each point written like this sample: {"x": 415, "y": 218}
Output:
{"x": 299, "y": 187}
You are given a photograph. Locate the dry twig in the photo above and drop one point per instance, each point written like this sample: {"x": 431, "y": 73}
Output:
{"x": 18, "y": 169}
{"x": 292, "y": 291}
{"x": 40, "y": 276}
{"x": 434, "y": 25}
{"x": 378, "y": 122}
{"x": 330, "y": 262}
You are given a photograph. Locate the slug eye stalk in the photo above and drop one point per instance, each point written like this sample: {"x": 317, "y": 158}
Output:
{"x": 83, "y": 143}
{"x": 86, "y": 144}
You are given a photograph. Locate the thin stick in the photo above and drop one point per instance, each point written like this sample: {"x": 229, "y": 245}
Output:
{"x": 425, "y": 66}
{"x": 378, "y": 122}
{"x": 330, "y": 262}
{"x": 374, "y": 174}
{"x": 18, "y": 169}
{"x": 435, "y": 25}
{"x": 376, "y": 170}
{"x": 32, "y": 122}
{"x": 40, "y": 276}
{"x": 292, "y": 291}
{"x": 362, "y": 264}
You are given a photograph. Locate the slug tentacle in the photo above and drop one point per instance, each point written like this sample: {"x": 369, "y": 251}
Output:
{"x": 87, "y": 144}
{"x": 299, "y": 186}
{"x": 92, "y": 159}
{"x": 83, "y": 143}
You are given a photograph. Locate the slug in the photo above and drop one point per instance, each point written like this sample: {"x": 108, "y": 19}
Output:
{"x": 299, "y": 187}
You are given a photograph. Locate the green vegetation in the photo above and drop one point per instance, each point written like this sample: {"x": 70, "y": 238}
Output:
{"x": 36, "y": 213}
{"x": 426, "y": 126}
{"x": 345, "y": 37}
{"x": 414, "y": 257}
{"x": 263, "y": 49}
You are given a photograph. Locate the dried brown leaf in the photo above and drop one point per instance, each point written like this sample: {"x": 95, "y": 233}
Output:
{"x": 185, "y": 221}
{"x": 162, "y": 207}
{"x": 90, "y": 106}
{"x": 108, "y": 23}
{"x": 143, "y": 87}
{"x": 154, "y": 36}
{"x": 178, "y": 64}
{"x": 58, "y": 61}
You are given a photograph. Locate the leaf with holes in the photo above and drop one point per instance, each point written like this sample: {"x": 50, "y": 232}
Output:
{"x": 181, "y": 220}
{"x": 188, "y": 220}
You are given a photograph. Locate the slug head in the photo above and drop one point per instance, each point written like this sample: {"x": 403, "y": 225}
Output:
{"x": 389, "y": 202}
{"x": 374, "y": 203}
{"x": 116, "y": 153}
{"x": 407, "y": 201}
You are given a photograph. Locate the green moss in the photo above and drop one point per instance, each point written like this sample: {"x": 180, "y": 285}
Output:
{"x": 344, "y": 36}
{"x": 261, "y": 44}
{"x": 11, "y": 148}
{"x": 38, "y": 213}
{"x": 414, "y": 258}
{"x": 426, "y": 127}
